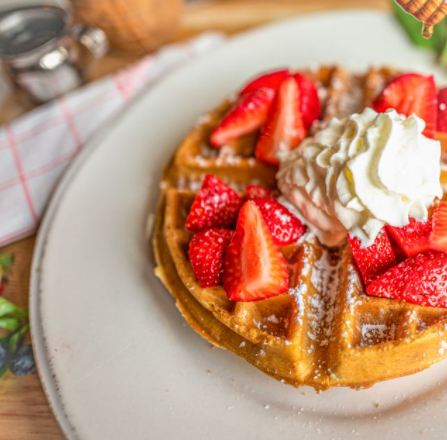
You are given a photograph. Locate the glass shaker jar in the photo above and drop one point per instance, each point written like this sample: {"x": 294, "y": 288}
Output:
{"x": 42, "y": 54}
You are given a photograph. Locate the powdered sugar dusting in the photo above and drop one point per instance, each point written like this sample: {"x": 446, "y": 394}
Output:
{"x": 273, "y": 318}
{"x": 308, "y": 236}
{"x": 411, "y": 319}
{"x": 315, "y": 315}
{"x": 325, "y": 279}
{"x": 191, "y": 184}
{"x": 298, "y": 293}
{"x": 283, "y": 218}
{"x": 321, "y": 303}
{"x": 204, "y": 119}
{"x": 345, "y": 95}
{"x": 201, "y": 161}
{"x": 186, "y": 183}
{"x": 351, "y": 102}
{"x": 372, "y": 333}
{"x": 354, "y": 286}
{"x": 251, "y": 162}
{"x": 306, "y": 262}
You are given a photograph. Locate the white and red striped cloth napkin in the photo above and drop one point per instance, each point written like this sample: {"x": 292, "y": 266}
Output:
{"x": 36, "y": 149}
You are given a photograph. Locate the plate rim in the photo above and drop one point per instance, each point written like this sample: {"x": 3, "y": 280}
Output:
{"x": 40, "y": 349}
{"x": 38, "y": 343}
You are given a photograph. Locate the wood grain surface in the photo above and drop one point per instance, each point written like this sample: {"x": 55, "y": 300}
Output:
{"x": 24, "y": 411}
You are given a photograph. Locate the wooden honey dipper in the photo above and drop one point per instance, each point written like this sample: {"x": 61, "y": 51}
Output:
{"x": 429, "y": 12}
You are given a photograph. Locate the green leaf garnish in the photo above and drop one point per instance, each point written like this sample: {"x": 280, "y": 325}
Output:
{"x": 9, "y": 310}
{"x": 10, "y": 324}
{"x": 15, "y": 340}
{"x": 13, "y": 319}
{"x": 6, "y": 261}
{"x": 4, "y": 365}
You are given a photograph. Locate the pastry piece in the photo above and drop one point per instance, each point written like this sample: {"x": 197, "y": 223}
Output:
{"x": 325, "y": 330}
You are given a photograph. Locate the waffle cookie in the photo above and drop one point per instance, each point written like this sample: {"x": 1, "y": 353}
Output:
{"x": 325, "y": 331}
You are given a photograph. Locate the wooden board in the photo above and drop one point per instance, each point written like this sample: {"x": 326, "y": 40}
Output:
{"x": 24, "y": 411}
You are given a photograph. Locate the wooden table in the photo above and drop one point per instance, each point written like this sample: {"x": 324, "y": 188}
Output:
{"x": 24, "y": 411}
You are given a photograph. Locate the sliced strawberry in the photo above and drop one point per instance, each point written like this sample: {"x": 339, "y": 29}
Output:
{"x": 412, "y": 93}
{"x": 310, "y": 103}
{"x": 373, "y": 260}
{"x": 216, "y": 206}
{"x": 247, "y": 116}
{"x": 285, "y": 127}
{"x": 442, "y": 111}
{"x": 254, "y": 267}
{"x": 206, "y": 252}
{"x": 422, "y": 279}
{"x": 398, "y": 252}
{"x": 271, "y": 80}
{"x": 413, "y": 238}
{"x": 438, "y": 236}
{"x": 282, "y": 224}
{"x": 256, "y": 192}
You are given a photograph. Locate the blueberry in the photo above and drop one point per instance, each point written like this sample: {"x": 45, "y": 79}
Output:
{"x": 23, "y": 361}
{"x": 3, "y": 355}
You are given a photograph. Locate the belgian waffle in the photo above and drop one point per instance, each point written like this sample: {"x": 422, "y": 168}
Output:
{"x": 325, "y": 331}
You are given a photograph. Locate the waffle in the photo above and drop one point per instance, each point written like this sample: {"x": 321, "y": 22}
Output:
{"x": 325, "y": 331}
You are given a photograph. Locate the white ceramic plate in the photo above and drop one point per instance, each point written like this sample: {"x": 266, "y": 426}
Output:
{"x": 115, "y": 357}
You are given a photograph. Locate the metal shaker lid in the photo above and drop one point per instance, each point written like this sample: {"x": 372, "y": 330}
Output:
{"x": 25, "y": 30}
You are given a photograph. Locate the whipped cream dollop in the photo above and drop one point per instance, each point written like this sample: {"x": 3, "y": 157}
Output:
{"x": 362, "y": 172}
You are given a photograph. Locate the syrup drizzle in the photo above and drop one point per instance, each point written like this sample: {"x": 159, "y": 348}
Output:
{"x": 427, "y": 31}
{"x": 429, "y": 12}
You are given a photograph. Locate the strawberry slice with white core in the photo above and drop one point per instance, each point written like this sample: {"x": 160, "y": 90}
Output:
{"x": 271, "y": 80}
{"x": 422, "y": 280}
{"x": 310, "y": 103}
{"x": 412, "y": 239}
{"x": 245, "y": 117}
{"x": 254, "y": 267}
{"x": 284, "y": 129}
{"x": 216, "y": 205}
{"x": 442, "y": 111}
{"x": 206, "y": 252}
{"x": 438, "y": 236}
{"x": 282, "y": 224}
{"x": 373, "y": 260}
{"x": 412, "y": 93}
{"x": 256, "y": 192}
